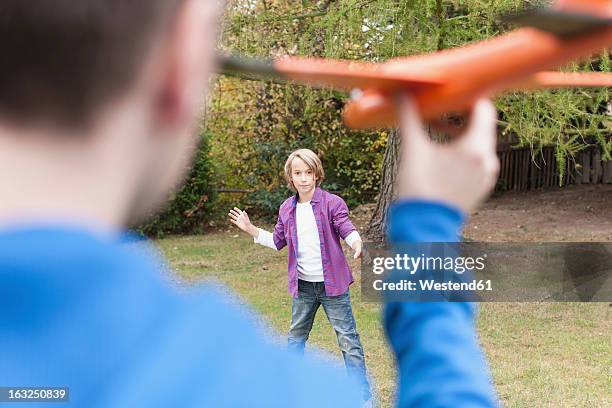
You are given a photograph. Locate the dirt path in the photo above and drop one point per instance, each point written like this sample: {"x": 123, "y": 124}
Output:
{"x": 573, "y": 213}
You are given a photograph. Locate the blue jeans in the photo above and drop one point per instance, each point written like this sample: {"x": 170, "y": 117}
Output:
{"x": 340, "y": 315}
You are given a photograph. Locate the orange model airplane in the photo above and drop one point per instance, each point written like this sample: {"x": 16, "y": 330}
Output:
{"x": 452, "y": 80}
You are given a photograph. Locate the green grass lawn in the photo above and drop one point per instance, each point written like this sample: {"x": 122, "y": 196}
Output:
{"x": 541, "y": 354}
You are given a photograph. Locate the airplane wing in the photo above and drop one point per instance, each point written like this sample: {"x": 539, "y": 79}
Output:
{"x": 319, "y": 72}
{"x": 560, "y": 23}
{"x": 551, "y": 79}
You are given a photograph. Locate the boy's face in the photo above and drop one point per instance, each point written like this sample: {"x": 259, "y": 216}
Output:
{"x": 302, "y": 176}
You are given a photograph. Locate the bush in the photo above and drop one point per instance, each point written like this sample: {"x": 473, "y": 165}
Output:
{"x": 265, "y": 204}
{"x": 193, "y": 204}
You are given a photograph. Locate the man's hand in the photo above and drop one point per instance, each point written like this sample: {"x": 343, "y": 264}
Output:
{"x": 461, "y": 173}
{"x": 357, "y": 248}
{"x": 241, "y": 220}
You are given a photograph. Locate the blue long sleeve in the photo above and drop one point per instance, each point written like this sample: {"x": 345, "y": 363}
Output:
{"x": 101, "y": 319}
{"x": 438, "y": 355}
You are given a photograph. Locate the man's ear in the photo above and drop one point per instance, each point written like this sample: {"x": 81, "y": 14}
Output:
{"x": 187, "y": 60}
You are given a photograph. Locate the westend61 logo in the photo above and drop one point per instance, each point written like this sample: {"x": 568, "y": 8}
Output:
{"x": 411, "y": 264}
{"x": 488, "y": 272}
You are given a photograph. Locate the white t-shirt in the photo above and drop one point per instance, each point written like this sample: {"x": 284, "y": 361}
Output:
{"x": 309, "y": 263}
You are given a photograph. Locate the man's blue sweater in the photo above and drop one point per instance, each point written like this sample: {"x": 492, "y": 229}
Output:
{"x": 102, "y": 319}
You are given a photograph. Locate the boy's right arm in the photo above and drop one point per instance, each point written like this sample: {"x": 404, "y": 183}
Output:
{"x": 241, "y": 220}
{"x": 265, "y": 238}
{"x": 260, "y": 236}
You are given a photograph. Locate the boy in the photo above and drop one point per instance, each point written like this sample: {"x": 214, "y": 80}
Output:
{"x": 311, "y": 224}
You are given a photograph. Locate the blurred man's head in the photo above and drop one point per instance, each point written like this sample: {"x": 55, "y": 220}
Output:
{"x": 121, "y": 82}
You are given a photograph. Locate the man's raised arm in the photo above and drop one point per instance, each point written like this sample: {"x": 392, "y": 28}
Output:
{"x": 435, "y": 343}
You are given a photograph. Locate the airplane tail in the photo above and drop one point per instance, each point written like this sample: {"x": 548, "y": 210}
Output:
{"x": 567, "y": 18}
{"x": 601, "y": 8}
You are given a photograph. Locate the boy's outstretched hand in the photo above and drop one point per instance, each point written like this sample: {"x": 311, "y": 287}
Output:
{"x": 241, "y": 220}
{"x": 461, "y": 173}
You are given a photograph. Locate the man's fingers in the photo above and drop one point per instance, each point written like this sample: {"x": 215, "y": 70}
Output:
{"x": 481, "y": 133}
{"x": 412, "y": 130}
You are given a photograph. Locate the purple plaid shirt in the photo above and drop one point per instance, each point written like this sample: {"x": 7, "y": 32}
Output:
{"x": 331, "y": 215}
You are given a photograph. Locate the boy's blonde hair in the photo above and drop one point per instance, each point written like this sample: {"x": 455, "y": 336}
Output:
{"x": 312, "y": 161}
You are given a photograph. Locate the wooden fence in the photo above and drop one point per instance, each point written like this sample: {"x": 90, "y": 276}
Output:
{"x": 521, "y": 169}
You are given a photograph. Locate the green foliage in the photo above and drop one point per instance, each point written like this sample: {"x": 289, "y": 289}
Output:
{"x": 193, "y": 203}
{"x": 265, "y": 203}
{"x": 257, "y": 124}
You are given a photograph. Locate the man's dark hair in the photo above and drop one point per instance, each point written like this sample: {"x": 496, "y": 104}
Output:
{"x": 60, "y": 60}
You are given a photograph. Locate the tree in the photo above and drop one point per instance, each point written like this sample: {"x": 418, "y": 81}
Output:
{"x": 378, "y": 222}
{"x": 373, "y": 30}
